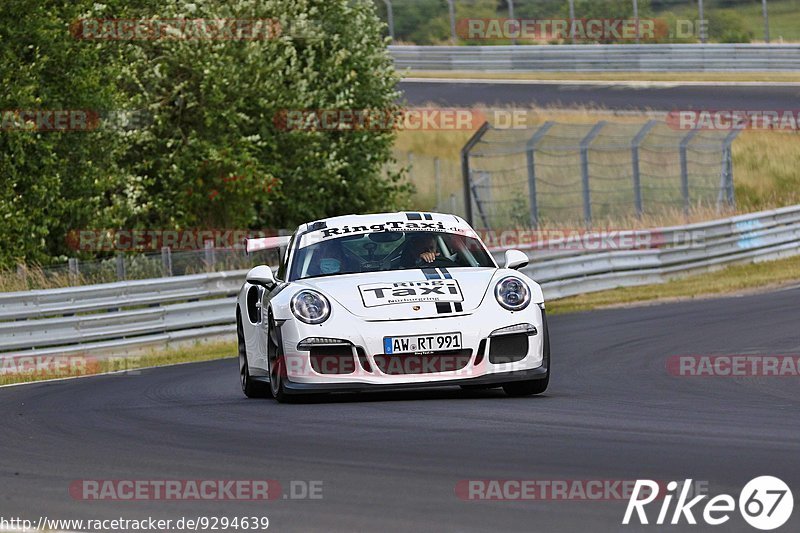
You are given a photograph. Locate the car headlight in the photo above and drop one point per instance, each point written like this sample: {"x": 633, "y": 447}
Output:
{"x": 311, "y": 307}
{"x": 512, "y": 293}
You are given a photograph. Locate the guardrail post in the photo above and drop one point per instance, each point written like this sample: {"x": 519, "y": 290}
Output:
{"x": 530, "y": 153}
{"x": 587, "y": 194}
{"x": 74, "y": 270}
{"x": 726, "y": 175}
{"x": 166, "y": 261}
{"x": 120, "y": 267}
{"x": 685, "y": 169}
{"x": 637, "y": 182}
{"x": 465, "y": 171}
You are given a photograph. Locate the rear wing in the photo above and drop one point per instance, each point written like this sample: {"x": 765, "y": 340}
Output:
{"x": 265, "y": 243}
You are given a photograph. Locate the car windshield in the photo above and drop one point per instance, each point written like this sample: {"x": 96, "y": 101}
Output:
{"x": 388, "y": 250}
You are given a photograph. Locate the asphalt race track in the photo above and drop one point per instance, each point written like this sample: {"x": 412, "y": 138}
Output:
{"x": 656, "y": 97}
{"x": 391, "y": 461}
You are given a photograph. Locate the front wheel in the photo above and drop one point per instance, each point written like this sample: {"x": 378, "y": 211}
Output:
{"x": 250, "y": 387}
{"x": 277, "y": 364}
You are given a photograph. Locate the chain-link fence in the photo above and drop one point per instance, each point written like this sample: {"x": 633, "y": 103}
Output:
{"x": 676, "y": 21}
{"x": 585, "y": 174}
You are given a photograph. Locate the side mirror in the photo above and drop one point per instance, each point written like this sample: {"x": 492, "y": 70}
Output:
{"x": 515, "y": 259}
{"x": 261, "y": 275}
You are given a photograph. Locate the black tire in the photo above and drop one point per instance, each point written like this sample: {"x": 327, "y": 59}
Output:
{"x": 530, "y": 387}
{"x": 250, "y": 387}
{"x": 276, "y": 363}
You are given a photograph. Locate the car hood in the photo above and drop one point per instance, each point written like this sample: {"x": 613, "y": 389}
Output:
{"x": 407, "y": 294}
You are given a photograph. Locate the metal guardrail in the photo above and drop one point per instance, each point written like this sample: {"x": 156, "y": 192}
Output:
{"x": 130, "y": 315}
{"x": 608, "y": 57}
{"x": 112, "y": 316}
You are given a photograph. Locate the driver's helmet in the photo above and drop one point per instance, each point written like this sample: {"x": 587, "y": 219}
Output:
{"x": 331, "y": 258}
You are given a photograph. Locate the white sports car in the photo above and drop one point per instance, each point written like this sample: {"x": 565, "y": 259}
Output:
{"x": 389, "y": 301}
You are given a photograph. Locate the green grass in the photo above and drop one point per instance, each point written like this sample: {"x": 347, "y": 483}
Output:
{"x": 784, "y": 18}
{"x": 91, "y": 365}
{"x": 731, "y": 280}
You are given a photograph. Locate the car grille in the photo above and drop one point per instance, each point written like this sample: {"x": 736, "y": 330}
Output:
{"x": 403, "y": 364}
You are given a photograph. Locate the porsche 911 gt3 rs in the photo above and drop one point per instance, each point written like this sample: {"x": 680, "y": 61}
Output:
{"x": 389, "y": 301}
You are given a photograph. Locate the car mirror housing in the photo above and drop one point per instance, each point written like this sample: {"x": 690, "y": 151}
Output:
{"x": 261, "y": 275}
{"x": 515, "y": 259}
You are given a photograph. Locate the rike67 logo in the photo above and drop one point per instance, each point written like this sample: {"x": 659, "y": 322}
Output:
{"x": 765, "y": 503}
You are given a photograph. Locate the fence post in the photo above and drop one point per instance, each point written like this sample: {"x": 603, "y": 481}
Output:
{"x": 74, "y": 270}
{"x": 637, "y": 182}
{"x": 701, "y": 14}
{"x": 726, "y": 176}
{"x": 511, "y": 15}
{"x": 587, "y": 195}
{"x": 120, "y": 267}
{"x": 765, "y": 14}
{"x": 685, "y": 169}
{"x": 530, "y": 153}
{"x": 166, "y": 261}
{"x": 22, "y": 273}
{"x": 484, "y": 176}
{"x": 390, "y": 18}
{"x": 210, "y": 256}
{"x": 451, "y": 8}
{"x": 437, "y": 177}
{"x": 465, "y": 172}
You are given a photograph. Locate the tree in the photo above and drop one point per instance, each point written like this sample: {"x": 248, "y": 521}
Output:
{"x": 215, "y": 156}
{"x": 51, "y": 181}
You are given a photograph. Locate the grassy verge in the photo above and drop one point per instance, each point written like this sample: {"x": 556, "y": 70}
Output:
{"x": 731, "y": 280}
{"x": 19, "y": 370}
{"x": 766, "y": 76}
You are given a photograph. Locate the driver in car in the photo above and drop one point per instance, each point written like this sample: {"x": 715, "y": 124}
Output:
{"x": 420, "y": 249}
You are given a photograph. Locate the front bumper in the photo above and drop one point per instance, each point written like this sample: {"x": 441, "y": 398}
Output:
{"x": 366, "y": 342}
{"x": 497, "y": 378}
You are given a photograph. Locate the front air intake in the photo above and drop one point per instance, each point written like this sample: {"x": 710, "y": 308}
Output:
{"x": 332, "y": 359}
{"x": 508, "y": 348}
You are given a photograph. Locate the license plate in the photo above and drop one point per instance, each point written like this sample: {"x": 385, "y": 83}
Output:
{"x": 438, "y": 342}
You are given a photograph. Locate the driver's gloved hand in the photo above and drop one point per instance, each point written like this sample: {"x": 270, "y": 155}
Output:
{"x": 427, "y": 257}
